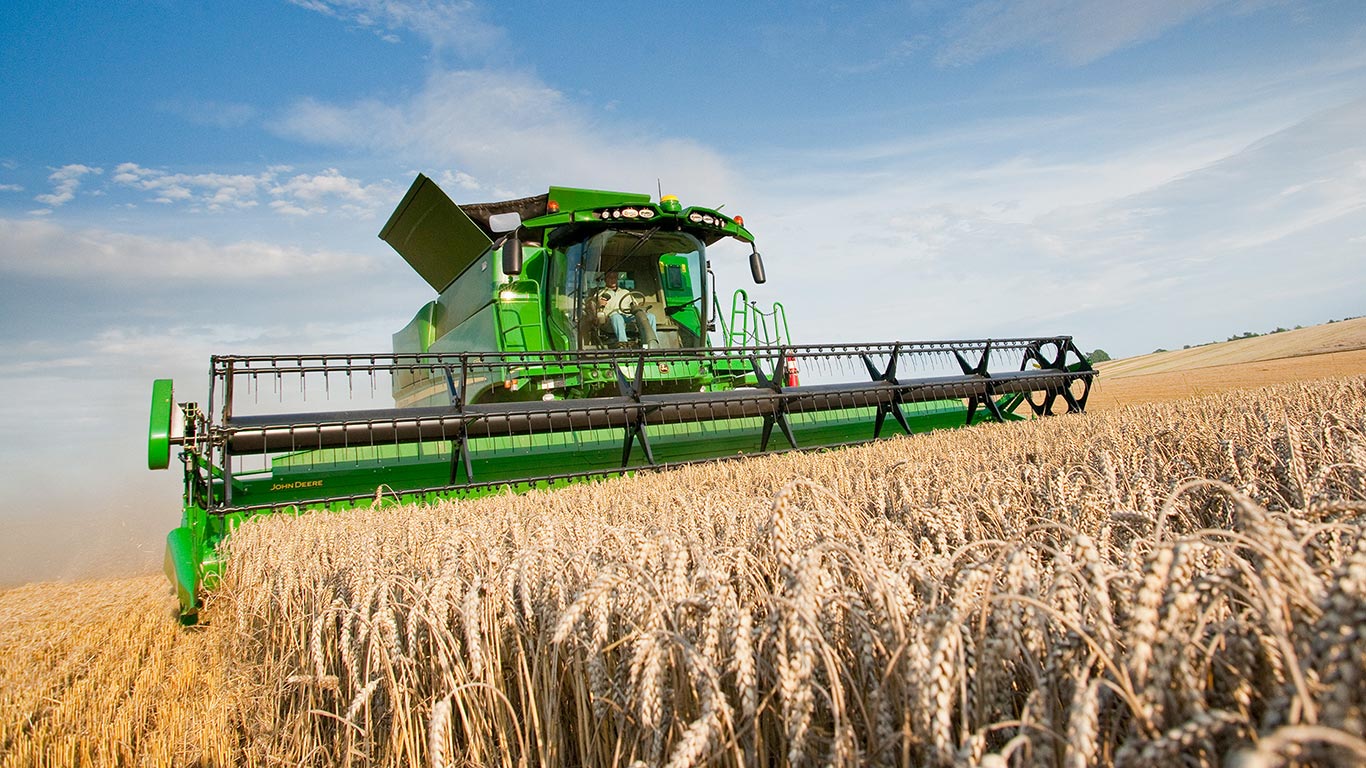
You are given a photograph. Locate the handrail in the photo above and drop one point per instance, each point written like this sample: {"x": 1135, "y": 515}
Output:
{"x": 739, "y": 313}
{"x": 750, "y": 325}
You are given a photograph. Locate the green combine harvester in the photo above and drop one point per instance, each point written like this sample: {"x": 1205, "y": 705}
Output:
{"x": 575, "y": 335}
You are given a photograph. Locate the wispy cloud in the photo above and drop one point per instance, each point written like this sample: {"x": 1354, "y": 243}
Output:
{"x": 510, "y": 129}
{"x": 47, "y": 249}
{"x": 298, "y": 194}
{"x": 65, "y": 181}
{"x": 445, "y": 24}
{"x": 218, "y": 114}
{"x": 1294, "y": 181}
{"x": 11, "y": 188}
{"x": 491, "y": 132}
{"x": 898, "y": 52}
{"x": 109, "y": 348}
{"x": 1267, "y": 231}
{"x": 213, "y": 191}
{"x": 1078, "y": 31}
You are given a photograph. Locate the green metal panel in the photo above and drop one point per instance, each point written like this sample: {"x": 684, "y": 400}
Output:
{"x": 467, "y": 300}
{"x": 418, "y": 334}
{"x": 477, "y": 334}
{"x": 159, "y": 428}
{"x": 573, "y": 199}
{"x": 681, "y": 300}
{"x": 521, "y": 319}
{"x": 433, "y": 235}
{"x": 182, "y": 568}
{"x": 468, "y": 294}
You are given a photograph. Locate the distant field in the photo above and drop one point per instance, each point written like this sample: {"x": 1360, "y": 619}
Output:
{"x": 1346, "y": 336}
{"x": 1116, "y": 391}
{"x": 1319, "y": 352}
{"x": 1053, "y": 592}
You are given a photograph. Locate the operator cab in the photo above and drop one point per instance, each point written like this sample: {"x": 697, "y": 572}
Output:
{"x": 658, "y": 280}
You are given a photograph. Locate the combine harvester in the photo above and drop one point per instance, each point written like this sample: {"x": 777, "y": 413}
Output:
{"x": 572, "y": 338}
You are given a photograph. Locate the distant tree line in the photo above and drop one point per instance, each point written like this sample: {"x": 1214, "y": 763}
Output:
{"x": 1100, "y": 356}
{"x": 1251, "y": 335}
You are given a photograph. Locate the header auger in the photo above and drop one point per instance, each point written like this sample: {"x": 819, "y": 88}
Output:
{"x": 571, "y": 339}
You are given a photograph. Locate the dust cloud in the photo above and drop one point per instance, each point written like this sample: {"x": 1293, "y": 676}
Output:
{"x": 75, "y": 535}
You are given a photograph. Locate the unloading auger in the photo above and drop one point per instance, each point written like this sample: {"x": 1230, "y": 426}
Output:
{"x": 571, "y": 339}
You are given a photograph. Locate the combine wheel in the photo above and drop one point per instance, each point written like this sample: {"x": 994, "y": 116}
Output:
{"x": 1073, "y": 398}
{"x": 159, "y": 429}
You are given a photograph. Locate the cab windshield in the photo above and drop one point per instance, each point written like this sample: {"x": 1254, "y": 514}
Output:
{"x": 629, "y": 288}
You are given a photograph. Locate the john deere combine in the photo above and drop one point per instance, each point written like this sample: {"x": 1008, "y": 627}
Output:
{"x": 576, "y": 334}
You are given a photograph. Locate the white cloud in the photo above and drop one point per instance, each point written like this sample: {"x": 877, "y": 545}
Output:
{"x": 214, "y": 191}
{"x": 458, "y": 180}
{"x": 510, "y": 130}
{"x": 305, "y": 194}
{"x": 289, "y": 209}
{"x": 44, "y": 248}
{"x": 442, "y": 23}
{"x": 65, "y": 181}
{"x": 11, "y": 188}
{"x": 298, "y": 194}
{"x": 1080, "y": 31}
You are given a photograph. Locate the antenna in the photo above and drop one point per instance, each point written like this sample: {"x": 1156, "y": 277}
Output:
{"x": 660, "y": 185}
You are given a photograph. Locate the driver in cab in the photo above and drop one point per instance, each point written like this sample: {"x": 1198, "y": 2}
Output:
{"x": 616, "y": 305}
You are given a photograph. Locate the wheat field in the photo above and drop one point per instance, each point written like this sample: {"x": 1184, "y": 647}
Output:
{"x": 1156, "y": 585}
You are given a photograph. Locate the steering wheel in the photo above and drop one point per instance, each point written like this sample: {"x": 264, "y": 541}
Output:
{"x": 632, "y": 300}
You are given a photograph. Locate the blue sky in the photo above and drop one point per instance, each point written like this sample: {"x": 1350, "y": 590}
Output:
{"x": 182, "y": 178}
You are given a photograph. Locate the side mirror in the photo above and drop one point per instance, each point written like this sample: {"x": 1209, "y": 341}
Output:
{"x": 756, "y": 267}
{"x": 512, "y": 255}
{"x": 505, "y": 222}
